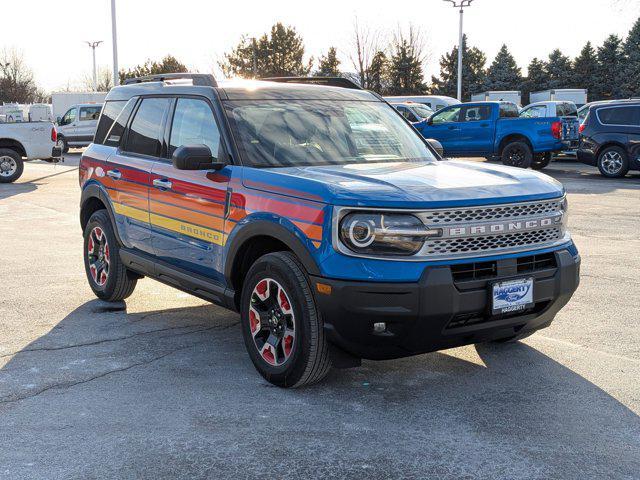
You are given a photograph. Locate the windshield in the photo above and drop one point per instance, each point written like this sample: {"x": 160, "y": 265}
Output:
{"x": 422, "y": 111}
{"x": 320, "y": 132}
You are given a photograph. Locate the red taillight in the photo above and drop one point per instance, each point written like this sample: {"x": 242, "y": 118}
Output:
{"x": 582, "y": 127}
{"x": 556, "y": 130}
{"x": 54, "y": 134}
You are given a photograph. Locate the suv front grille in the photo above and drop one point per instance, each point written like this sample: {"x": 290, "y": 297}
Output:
{"x": 457, "y": 246}
{"x": 506, "y": 212}
{"x": 536, "y": 262}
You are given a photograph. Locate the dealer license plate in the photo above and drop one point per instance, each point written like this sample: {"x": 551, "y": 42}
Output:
{"x": 512, "y": 296}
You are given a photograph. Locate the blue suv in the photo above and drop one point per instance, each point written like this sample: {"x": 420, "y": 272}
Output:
{"x": 321, "y": 216}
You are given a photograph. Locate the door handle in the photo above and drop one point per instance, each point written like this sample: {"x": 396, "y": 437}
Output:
{"x": 452, "y": 127}
{"x": 162, "y": 183}
{"x": 115, "y": 174}
{"x": 484, "y": 124}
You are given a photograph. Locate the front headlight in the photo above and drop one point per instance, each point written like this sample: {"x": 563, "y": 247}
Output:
{"x": 564, "y": 207}
{"x": 384, "y": 233}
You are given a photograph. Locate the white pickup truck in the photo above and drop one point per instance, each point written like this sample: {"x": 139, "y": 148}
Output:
{"x": 25, "y": 141}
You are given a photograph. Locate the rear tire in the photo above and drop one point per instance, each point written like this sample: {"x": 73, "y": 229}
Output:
{"x": 613, "y": 162}
{"x": 541, "y": 160}
{"x": 517, "y": 154}
{"x": 109, "y": 279}
{"x": 11, "y": 165}
{"x": 282, "y": 328}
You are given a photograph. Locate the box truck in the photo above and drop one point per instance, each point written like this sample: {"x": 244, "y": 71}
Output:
{"x": 575, "y": 95}
{"x": 63, "y": 101}
{"x": 498, "y": 95}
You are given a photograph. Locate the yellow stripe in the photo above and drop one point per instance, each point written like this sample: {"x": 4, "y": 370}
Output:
{"x": 184, "y": 228}
{"x": 189, "y": 229}
{"x": 127, "y": 211}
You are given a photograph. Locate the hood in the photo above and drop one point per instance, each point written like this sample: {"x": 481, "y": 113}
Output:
{"x": 446, "y": 183}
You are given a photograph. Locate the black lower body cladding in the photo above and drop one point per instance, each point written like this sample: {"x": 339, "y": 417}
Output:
{"x": 442, "y": 310}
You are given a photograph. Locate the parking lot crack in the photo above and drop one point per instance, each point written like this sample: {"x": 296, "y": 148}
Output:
{"x": 66, "y": 385}
{"x": 117, "y": 339}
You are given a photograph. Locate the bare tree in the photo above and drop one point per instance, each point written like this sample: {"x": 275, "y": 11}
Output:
{"x": 16, "y": 78}
{"x": 104, "y": 77}
{"x": 366, "y": 43}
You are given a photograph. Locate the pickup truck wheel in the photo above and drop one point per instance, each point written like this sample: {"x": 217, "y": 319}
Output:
{"x": 11, "y": 165}
{"x": 613, "y": 162}
{"x": 281, "y": 325}
{"x": 62, "y": 144}
{"x": 517, "y": 154}
{"x": 109, "y": 279}
{"x": 541, "y": 160}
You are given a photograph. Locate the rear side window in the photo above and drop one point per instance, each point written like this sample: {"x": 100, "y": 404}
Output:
{"x": 627, "y": 116}
{"x": 570, "y": 110}
{"x": 537, "y": 111}
{"x": 110, "y": 112}
{"x": 508, "y": 110}
{"x": 115, "y": 134}
{"x": 90, "y": 113}
{"x": 146, "y": 128}
{"x": 194, "y": 124}
{"x": 477, "y": 113}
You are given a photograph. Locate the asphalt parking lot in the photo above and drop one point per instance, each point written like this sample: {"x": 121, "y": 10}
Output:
{"x": 162, "y": 387}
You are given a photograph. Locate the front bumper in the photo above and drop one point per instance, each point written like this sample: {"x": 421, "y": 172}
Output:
{"x": 443, "y": 309}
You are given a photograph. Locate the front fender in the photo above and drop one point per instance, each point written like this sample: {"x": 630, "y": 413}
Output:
{"x": 93, "y": 189}
{"x": 273, "y": 226}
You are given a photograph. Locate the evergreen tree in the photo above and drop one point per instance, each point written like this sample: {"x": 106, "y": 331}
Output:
{"x": 560, "y": 70}
{"x": 329, "y": 64}
{"x": 504, "y": 73}
{"x": 168, "y": 64}
{"x": 473, "y": 73}
{"x": 631, "y": 67}
{"x": 537, "y": 79}
{"x": 378, "y": 73}
{"x": 405, "y": 68}
{"x": 278, "y": 54}
{"x": 585, "y": 70}
{"x": 610, "y": 61}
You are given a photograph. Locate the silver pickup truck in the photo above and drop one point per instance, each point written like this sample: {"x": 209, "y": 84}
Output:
{"x": 25, "y": 141}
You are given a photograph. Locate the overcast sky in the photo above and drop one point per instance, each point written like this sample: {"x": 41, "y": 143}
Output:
{"x": 51, "y": 34}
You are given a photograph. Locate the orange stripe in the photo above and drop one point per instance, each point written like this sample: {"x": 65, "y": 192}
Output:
{"x": 314, "y": 232}
{"x": 130, "y": 200}
{"x": 181, "y": 214}
{"x": 187, "y": 202}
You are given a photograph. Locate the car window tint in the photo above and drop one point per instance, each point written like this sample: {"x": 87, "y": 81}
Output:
{"x": 619, "y": 116}
{"x": 508, "y": 110}
{"x": 107, "y": 117}
{"x": 571, "y": 110}
{"x": 194, "y": 124}
{"x": 90, "y": 113}
{"x": 446, "y": 116}
{"x": 145, "y": 131}
{"x": 477, "y": 113}
{"x": 115, "y": 133}
{"x": 69, "y": 117}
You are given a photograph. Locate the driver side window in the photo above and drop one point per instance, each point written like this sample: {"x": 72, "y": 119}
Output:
{"x": 69, "y": 117}
{"x": 447, "y": 116}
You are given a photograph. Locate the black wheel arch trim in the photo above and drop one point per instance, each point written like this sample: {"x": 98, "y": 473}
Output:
{"x": 92, "y": 191}
{"x": 261, "y": 228}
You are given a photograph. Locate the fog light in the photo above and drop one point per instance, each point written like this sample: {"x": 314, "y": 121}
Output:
{"x": 379, "y": 327}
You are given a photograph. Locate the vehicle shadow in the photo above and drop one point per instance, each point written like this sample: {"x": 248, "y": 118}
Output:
{"x": 17, "y": 188}
{"x": 183, "y": 374}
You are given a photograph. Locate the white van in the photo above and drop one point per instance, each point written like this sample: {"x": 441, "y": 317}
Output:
{"x": 77, "y": 126}
{"x": 434, "y": 102}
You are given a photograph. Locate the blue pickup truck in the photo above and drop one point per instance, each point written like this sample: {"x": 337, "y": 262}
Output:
{"x": 494, "y": 129}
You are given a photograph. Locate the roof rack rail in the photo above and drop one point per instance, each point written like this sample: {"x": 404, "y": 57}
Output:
{"x": 203, "y": 79}
{"x": 326, "y": 81}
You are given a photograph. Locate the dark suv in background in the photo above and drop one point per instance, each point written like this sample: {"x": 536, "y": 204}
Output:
{"x": 610, "y": 138}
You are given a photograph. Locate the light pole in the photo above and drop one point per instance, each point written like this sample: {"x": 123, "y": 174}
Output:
{"x": 93, "y": 46}
{"x": 460, "y": 4}
{"x": 114, "y": 35}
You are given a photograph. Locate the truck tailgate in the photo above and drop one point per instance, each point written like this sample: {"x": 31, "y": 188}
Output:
{"x": 570, "y": 128}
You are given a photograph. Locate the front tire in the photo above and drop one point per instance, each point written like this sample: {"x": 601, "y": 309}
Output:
{"x": 11, "y": 165}
{"x": 613, "y": 162}
{"x": 517, "y": 154}
{"x": 541, "y": 160}
{"x": 109, "y": 279}
{"x": 282, "y": 328}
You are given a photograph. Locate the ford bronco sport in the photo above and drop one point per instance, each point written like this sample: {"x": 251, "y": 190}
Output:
{"x": 323, "y": 217}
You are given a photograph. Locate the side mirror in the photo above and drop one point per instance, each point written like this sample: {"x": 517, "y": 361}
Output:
{"x": 436, "y": 145}
{"x": 58, "y": 119}
{"x": 430, "y": 121}
{"x": 195, "y": 157}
